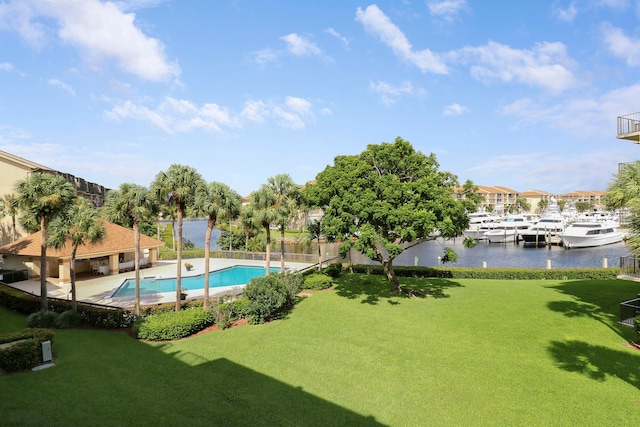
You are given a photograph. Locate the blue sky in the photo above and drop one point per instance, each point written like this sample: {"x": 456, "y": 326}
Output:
{"x": 520, "y": 94}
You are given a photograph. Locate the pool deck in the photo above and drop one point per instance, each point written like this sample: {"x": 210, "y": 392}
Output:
{"x": 98, "y": 289}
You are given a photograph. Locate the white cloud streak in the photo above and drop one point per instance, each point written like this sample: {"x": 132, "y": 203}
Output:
{"x": 377, "y": 23}
{"x": 62, "y": 85}
{"x": 620, "y": 45}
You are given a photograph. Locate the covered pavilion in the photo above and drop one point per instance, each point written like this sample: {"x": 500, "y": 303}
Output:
{"x": 114, "y": 254}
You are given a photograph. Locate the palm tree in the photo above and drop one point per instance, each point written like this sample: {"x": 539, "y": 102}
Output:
{"x": 265, "y": 213}
{"x": 129, "y": 206}
{"x": 79, "y": 224}
{"x": 215, "y": 201}
{"x": 177, "y": 186}
{"x": 9, "y": 206}
{"x": 625, "y": 192}
{"x": 287, "y": 199}
{"x": 248, "y": 224}
{"x": 42, "y": 196}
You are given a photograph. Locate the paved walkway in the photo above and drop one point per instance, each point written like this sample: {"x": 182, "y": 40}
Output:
{"x": 99, "y": 289}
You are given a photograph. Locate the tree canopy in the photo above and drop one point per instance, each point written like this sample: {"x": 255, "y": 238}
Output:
{"x": 388, "y": 198}
{"x": 624, "y": 192}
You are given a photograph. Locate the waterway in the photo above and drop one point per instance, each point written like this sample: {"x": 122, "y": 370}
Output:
{"x": 509, "y": 255}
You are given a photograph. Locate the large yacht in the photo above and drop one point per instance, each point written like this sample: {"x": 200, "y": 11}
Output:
{"x": 479, "y": 223}
{"x": 585, "y": 234}
{"x": 508, "y": 229}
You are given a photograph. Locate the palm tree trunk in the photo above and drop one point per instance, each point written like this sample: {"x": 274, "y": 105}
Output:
{"x": 74, "y": 301}
{"x": 15, "y": 231}
{"x": 179, "y": 258}
{"x": 136, "y": 262}
{"x": 207, "y": 250}
{"x": 268, "y": 249}
{"x": 282, "y": 248}
{"x": 319, "y": 256}
{"x": 44, "y": 304}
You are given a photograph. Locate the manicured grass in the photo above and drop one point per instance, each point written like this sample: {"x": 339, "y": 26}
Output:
{"x": 476, "y": 352}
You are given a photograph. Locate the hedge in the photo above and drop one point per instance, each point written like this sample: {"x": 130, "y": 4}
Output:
{"x": 173, "y": 325}
{"x": 27, "y": 352}
{"x": 495, "y": 273}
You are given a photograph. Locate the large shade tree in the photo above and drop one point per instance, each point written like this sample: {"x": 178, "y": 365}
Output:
{"x": 177, "y": 186}
{"x": 130, "y": 206}
{"x": 41, "y": 197}
{"x": 624, "y": 192}
{"x": 217, "y": 202}
{"x": 387, "y": 199}
{"x": 287, "y": 201}
{"x": 79, "y": 225}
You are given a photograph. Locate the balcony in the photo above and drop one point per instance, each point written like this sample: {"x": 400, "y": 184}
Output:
{"x": 629, "y": 127}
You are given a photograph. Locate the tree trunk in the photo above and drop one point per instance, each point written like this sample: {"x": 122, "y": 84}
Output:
{"x": 387, "y": 266}
{"x": 15, "y": 231}
{"x": 136, "y": 263}
{"x": 282, "y": 247}
{"x": 74, "y": 301}
{"x": 319, "y": 256}
{"x": 179, "y": 258}
{"x": 207, "y": 242}
{"x": 268, "y": 249}
{"x": 44, "y": 304}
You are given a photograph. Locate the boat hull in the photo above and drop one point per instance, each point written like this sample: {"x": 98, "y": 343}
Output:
{"x": 570, "y": 242}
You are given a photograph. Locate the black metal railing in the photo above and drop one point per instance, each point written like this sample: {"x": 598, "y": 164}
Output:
{"x": 629, "y": 123}
{"x": 629, "y": 310}
{"x": 630, "y": 266}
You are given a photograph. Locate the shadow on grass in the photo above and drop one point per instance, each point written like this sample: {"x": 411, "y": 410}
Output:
{"x": 372, "y": 288}
{"x": 596, "y": 362}
{"x": 127, "y": 382}
{"x": 597, "y": 299}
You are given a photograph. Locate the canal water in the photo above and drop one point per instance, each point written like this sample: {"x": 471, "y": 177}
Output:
{"x": 509, "y": 255}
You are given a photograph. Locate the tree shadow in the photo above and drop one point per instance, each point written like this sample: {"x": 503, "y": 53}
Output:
{"x": 596, "y": 362}
{"x": 373, "y": 288}
{"x": 599, "y": 300}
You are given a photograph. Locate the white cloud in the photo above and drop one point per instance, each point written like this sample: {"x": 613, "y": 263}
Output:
{"x": 295, "y": 113}
{"x": 334, "y": 33}
{"x": 568, "y": 14}
{"x": 265, "y": 56}
{"x": 176, "y": 115}
{"x": 377, "y": 23}
{"x": 620, "y": 45}
{"x": 181, "y": 116}
{"x": 391, "y": 93}
{"x": 101, "y": 32}
{"x": 62, "y": 85}
{"x": 454, "y": 110}
{"x": 5, "y": 66}
{"x": 300, "y": 46}
{"x": 447, "y": 9}
{"x": 546, "y": 65}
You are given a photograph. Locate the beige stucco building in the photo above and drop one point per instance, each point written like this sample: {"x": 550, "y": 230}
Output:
{"x": 14, "y": 169}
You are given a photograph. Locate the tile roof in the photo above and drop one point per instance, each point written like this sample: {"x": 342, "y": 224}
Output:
{"x": 117, "y": 239}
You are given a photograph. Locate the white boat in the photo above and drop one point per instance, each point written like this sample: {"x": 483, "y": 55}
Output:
{"x": 548, "y": 228}
{"x": 508, "y": 229}
{"x": 546, "y": 231}
{"x": 586, "y": 234}
{"x": 479, "y": 223}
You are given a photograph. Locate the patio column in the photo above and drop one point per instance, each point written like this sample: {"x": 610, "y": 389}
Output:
{"x": 64, "y": 271}
{"x": 153, "y": 256}
{"x": 114, "y": 261}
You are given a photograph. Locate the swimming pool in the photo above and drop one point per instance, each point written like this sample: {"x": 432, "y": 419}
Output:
{"x": 231, "y": 276}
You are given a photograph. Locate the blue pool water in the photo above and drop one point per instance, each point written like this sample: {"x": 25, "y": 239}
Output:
{"x": 232, "y": 276}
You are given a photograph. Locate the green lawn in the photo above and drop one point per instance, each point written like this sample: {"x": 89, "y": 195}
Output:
{"x": 476, "y": 352}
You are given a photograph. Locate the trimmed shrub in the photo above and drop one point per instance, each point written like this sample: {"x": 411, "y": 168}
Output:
{"x": 333, "y": 270}
{"x": 317, "y": 281}
{"x": 68, "y": 319}
{"x": 42, "y": 319}
{"x": 24, "y": 354}
{"x": 173, "y": 325}
{"x": 269, "y": 295}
